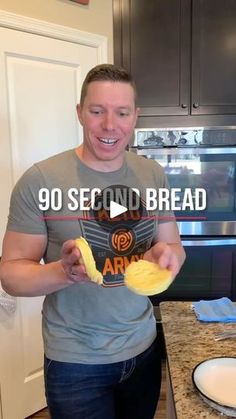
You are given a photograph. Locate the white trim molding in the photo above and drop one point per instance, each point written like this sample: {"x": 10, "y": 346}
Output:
{"x": 53, "y": 30}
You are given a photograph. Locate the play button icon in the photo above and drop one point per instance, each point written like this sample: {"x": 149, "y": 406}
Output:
{"x": 116, "y": 209}
{"x": 117, "y": 205}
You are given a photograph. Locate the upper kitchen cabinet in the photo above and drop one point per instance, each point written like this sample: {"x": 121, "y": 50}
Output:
{"x": 213, "y": 57}
{"x": 152, "y": 40}
{"x": 182, "y": 54}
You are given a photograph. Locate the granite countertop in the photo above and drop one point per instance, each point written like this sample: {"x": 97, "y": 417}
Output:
{"x": 188, "y": 342}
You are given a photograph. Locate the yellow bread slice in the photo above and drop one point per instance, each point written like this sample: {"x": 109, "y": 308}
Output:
{"x": 147, "y": 278}
{"x": 88, "y": 260}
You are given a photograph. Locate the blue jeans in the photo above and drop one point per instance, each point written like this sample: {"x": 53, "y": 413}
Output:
{"x": 121, "y": 390}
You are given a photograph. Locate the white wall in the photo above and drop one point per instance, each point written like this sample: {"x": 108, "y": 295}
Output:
{"x": 94, "y": 18}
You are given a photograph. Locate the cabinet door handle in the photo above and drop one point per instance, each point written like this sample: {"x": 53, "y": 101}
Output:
{"x": 196, "y": 105}
{"x": 184, "y": 105}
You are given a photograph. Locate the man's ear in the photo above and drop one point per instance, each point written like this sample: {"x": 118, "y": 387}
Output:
{"x": 78, "y": 109}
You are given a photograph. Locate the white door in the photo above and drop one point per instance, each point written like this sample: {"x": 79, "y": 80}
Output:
{"x": 40, "y": 79}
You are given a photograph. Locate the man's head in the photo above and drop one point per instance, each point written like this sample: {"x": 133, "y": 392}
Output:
{"x": 108, "y": 114}
{"x": 107, "y": 72}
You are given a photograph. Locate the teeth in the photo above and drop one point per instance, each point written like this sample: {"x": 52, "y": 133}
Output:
{"x": 108, "y": 140}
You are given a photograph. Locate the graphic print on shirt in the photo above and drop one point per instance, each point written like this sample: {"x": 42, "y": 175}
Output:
{"x": 118, "y": 241}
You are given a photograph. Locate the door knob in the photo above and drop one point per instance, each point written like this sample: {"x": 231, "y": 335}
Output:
{"x": 184, "y": 105}
{"x": 196, "y": 105}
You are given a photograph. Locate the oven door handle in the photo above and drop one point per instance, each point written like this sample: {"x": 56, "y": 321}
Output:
{"x": 209, "y": 242}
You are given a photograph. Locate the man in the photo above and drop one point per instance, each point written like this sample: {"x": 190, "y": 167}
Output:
{"x": 102, "y": 359}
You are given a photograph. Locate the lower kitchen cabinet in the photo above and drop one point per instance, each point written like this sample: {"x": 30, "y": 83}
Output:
{"x": 208, "y": 272}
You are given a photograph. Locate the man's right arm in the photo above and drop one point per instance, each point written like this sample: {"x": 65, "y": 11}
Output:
{"x": 21, "y": 272}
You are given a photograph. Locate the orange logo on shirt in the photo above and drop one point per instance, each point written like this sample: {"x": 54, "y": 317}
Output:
{"x": 122, "y": 240}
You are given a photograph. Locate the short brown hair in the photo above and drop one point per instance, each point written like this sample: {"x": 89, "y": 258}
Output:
{"x": 107, "y": 72}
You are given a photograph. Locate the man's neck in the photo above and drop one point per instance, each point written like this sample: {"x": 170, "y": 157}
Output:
{"x": 100, "y": 165}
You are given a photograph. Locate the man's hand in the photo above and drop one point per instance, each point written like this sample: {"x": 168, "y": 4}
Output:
{"x": 165, "y": 255}
{"x": 71, "y": 263}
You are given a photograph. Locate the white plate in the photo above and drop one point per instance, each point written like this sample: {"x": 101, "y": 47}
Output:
{"x": 215, "y": 379}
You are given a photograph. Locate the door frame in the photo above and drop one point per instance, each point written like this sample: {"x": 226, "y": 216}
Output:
{"x": 11, "y": 327}
{"x": 53, "y": 30}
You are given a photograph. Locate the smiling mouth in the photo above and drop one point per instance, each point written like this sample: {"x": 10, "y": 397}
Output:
{"x": 108, "y": 141}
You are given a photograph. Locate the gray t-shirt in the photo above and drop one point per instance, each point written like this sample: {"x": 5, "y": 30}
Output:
{"x": 85, "y": 322}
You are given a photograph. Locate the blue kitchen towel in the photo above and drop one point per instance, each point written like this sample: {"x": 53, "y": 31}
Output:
{"x": 220, "y": 310}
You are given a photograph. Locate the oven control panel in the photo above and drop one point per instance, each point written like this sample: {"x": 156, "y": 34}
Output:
{"x": 182, "y": 137}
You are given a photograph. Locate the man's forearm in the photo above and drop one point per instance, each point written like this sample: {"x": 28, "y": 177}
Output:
{"x": 26, "y": 278}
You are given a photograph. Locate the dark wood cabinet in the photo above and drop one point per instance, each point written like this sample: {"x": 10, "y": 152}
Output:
{"x": 154, "y": 45}
{"x": 181, "y": 54}
{"x": 234, "y": 277}
{"x": 213, "y": 57}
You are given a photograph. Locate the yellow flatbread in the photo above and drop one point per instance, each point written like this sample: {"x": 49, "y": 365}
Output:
{"x": 147, "y": 278}
{"x": 88, "y": 260}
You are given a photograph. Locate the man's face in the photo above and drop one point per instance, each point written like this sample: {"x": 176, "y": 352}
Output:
{"x": 108, "y": 117}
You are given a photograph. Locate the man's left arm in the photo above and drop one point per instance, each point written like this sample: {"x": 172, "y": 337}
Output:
{"x": 167, "y": 249}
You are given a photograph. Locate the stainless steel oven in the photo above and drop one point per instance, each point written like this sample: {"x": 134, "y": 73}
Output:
{"x": 202, "y": 158}
{"x": 192, "y": 159}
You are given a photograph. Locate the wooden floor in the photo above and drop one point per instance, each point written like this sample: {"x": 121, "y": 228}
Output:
{"x": 161, "y": 408}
